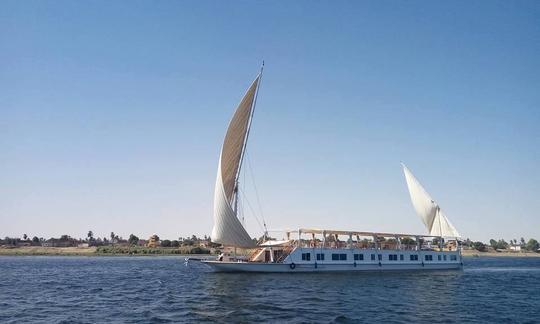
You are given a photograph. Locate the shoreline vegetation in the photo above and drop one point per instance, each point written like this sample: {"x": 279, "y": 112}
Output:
{"x": 112, "y": 245}
{"x": 98, "y": 251}
{"x": 191, "y": 246}
{"x": 160, "y": 251}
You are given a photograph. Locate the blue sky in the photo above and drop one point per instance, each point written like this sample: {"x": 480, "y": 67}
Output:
{"x": 113, "y": 114}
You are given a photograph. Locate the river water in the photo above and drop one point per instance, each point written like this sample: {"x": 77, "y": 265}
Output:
{"x": 167, "y": 289}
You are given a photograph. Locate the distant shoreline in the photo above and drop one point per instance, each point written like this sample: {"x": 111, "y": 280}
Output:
{"x": 92, "y": 251}
{"x": 475, "y": 253}
{"x": 85, "y": 251}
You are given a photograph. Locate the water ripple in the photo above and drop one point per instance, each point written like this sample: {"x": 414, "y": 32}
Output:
{"x": 164, "y": 290}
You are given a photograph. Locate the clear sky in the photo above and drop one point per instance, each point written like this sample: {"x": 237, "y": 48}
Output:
{"x": 113, "y": 114}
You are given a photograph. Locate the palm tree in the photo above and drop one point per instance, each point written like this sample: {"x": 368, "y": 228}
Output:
{"x": 25, "y": 237}
{"x": 90, "y": 236}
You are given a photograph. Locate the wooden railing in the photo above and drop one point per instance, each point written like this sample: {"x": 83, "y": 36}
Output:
{"x": 253, "y": 254}
{"x": 286, "y": 252}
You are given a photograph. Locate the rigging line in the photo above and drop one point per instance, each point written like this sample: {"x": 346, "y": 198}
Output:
{"x": 243, "y": 186}
{"x": 243, "y": 220}
{"x": 251, "y": 208}
{"x": 256, "y": 191}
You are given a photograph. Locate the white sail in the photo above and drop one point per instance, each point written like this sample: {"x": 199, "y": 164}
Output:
{"x": 228, "y": 229}
{"x": 429, "y": 211}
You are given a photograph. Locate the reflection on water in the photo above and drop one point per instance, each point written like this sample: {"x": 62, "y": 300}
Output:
{"x": 164, "y": 289}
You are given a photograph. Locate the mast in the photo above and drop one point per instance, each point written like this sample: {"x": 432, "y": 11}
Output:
{"x": 245, "y": 141}
{"x": 440, "y": 228}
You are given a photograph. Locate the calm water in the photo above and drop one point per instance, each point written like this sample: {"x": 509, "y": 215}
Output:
{"x": 165, "y": 289}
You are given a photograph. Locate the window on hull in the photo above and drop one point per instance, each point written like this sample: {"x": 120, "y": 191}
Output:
{"x": 428, "y": 257}
{"x": 358, "y": 257}
{"x": 306, "y": 256}
{"x": 320, "y": 256}
{"x": 339, "y": 256}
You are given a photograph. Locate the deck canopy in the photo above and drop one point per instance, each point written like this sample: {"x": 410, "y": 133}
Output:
{"x": 355, "y": 233}
{"x": 275, "y": 243}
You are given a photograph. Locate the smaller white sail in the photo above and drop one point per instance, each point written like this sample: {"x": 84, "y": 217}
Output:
{"x": 429, "y": 211}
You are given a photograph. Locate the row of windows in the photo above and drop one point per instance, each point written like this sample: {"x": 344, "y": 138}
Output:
{"x": 360, "y": 257}
{"x": 394, "y": 257}
{"x": 339, "y": 256}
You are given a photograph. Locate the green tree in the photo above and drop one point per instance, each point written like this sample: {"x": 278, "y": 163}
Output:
{"x": 133, "y": 240}
{"x": 175, "y": 243}
{"x": 493, "y": 244}
{"x": 166, "y": 243}
{"x": 522, "y": 242}
{"x": 35, "y": 239}
{"x": 479, "y": 246}
{"x": 90, "y": 236}
{"x": 532, "y": 245}
{"x": 187, "y": 242}
{"x": 502, "y": 245}
{"x": 25, "y": 237}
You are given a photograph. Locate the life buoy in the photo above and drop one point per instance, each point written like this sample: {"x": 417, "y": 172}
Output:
{"x": 380, "y": 264}
{"x": 315, "y": 265}
{"x": 354, "y": 264}
{"x": 292, "y": 266}
{"x": 422, "y": 263}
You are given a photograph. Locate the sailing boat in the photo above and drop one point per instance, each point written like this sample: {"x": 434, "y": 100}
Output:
{"x": 319, "y": 250}
{"x": 429, "y": 211}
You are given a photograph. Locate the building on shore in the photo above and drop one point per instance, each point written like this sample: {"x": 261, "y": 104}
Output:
{"x": 53, "y": 242}
{"x": 153, "y": 241}
{"x": 515, "y": 247}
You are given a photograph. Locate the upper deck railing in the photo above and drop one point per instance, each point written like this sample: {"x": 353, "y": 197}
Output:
{"x": 371, "y": 245}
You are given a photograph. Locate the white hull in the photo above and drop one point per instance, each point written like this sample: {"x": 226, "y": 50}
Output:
{"x": 221, "y": 266}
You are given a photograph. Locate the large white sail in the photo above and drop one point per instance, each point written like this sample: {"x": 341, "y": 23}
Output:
{"x": 228, "y": 230}
{"x": 429, "y": 211}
